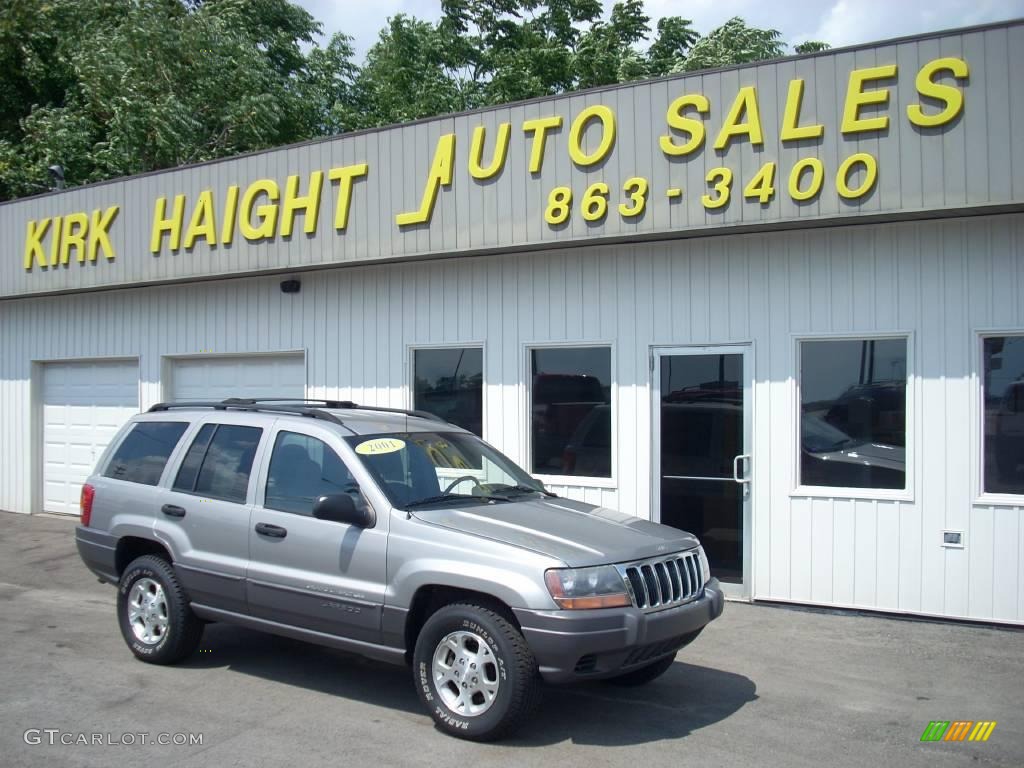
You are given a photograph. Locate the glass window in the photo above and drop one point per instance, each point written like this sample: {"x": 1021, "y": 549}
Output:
{"x": 853, "y": 413}
{"x": 142, "y": 455}
{"x": 302, "y": 469}
{"x": 186, "y": 479}
{"x": 570, "y": 411}
{"x": 426, "y": 469}
{"x": 224, "y": 459}
{"x": 450, "y": 384}
{"x": 1003, "y": 402}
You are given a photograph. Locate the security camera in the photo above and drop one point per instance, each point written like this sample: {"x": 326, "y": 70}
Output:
{"x": 290, "y": 286}
{"x": 57, "y": 174}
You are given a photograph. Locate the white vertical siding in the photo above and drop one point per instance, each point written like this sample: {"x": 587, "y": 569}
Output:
{"x": 940, "y": 281}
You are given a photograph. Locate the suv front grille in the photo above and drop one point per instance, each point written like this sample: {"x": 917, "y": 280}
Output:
{"x": 662, "y": 582}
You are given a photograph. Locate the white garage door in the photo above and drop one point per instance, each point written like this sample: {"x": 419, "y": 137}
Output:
{"x": 217, "y": 378}
{"x": 84, "y": 404}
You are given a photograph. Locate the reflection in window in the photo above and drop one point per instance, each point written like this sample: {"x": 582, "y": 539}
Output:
{"x": 570, "y": 410}
{"x": 1003, "y": 399}
{"x": 449, "y": 384}
{"x": 142, "y": 455}
{"x": 853, "y": 413}
{"x": 302, "y": 469}
{"x": 224, "y": 471}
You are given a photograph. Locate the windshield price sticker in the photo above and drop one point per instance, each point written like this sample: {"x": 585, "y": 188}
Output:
{"x": 380, "y": 445}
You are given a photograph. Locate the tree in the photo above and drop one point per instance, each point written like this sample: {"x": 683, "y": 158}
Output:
{"x": 734, "y": 43}
{"x": 811, "y": 46}
{"x": 673, "y": 41}
{"x": 606, "y": 52}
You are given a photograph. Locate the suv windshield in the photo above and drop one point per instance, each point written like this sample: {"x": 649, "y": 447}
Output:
{"x": 419, "y": 469}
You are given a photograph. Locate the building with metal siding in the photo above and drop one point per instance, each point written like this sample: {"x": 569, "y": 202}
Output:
{"x": 849, "y": 356}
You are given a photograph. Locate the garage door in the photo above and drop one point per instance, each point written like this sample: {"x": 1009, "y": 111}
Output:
{"x": 217, "y": 378}
{"x": 84, "y": 404}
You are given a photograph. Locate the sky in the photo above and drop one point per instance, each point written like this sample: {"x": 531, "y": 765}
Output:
{"x": 837, "y": 22}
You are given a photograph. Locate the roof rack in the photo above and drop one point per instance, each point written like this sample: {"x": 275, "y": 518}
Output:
{"x": 314, "y": 409}
{"x": 336, "y": 404}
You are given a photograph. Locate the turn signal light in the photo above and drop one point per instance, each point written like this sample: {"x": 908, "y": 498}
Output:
{"x": 85, "y": 503}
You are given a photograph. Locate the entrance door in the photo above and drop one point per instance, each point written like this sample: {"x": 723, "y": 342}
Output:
{"x": 702, "y": 462}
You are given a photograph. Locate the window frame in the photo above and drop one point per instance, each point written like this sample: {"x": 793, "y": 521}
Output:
{"x": 194, "y": 436}
{"x": 798, "y": 490}
{"x": 272, "y": 446}
{"x": 410, "y": 374}
{"x": 981, "y": 496}
{"x": 526, "y": 410}
{"x": 115, "y": 446}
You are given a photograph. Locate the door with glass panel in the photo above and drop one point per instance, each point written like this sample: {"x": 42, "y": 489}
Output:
{"x": 702, "y": 460}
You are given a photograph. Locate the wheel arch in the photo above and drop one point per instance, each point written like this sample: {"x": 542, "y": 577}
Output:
{"x": 430, "y": 598}
{"x": 131, "y": 547}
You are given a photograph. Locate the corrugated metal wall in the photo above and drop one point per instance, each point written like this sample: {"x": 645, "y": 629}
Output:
{"x": 941, "y": 281}
{"x": 975, "y": 160}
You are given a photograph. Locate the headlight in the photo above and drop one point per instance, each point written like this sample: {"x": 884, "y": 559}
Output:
{"x": 598, "y": 587}
{"x": 705, "y": 568}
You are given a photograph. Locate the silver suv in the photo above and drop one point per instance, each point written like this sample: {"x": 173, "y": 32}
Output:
{"x": 390, "y": 534}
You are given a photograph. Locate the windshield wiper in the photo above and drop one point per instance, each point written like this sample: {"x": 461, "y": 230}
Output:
{"x": 525, "y": 489}
{"x": 453, "y": 496}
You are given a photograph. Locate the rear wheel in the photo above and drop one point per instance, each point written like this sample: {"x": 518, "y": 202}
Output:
{"x": 475, "y": 673}
{"x": 153, "y": 612}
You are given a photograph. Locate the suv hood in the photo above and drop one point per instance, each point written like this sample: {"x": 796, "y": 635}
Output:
{"x": 578, "y": 534}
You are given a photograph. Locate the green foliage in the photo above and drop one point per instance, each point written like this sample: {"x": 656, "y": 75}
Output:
{"x": 113, "y": 87}
{"x": 734, "y": 43}
{"x": 811, "y": 46}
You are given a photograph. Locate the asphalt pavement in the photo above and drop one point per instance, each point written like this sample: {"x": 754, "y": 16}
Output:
{"x": 763, "y": 686}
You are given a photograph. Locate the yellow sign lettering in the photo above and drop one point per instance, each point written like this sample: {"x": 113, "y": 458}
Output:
{"x": 691, "y": 126}
{"x": 857, "y": 98}
{"x": 99, "y": 232}
{"x": 745, "y": 105}
{"x": 55, "y": 240}
{"x": 163, "y": 225}
{"x": 73, "y": 236}
{"x": 266, "y": 213}
{"x": 791, "y": 128}
{"x": 227, "y": 232}
{"x": 34, "y": 253}
{"x": 539, "y": 127}
{"x": 346, "y": 176}
{"x": 309, "y": 205}
{"x": 203, "y": 222}
{"x": 951, "y": 98}
{"x": 476, "y": 151}
{"x": 579, "y": 127}
{"x": 440, "y": 174}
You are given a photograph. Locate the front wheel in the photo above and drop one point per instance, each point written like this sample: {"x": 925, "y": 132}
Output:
{"x": 153, "y": 612}
{"x": 475, "y": 673}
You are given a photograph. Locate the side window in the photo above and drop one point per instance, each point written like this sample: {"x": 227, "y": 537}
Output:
{"x": 303, "y": 468}
{"x": 142, "y": 455}
{"x": 219, "y": 461}
{"x": 189, "y": 471}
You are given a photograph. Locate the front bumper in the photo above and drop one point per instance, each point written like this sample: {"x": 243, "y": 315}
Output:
{"x": 586, "y": 645}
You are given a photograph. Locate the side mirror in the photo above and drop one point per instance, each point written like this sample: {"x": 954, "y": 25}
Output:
{"x": 341, "y": 508}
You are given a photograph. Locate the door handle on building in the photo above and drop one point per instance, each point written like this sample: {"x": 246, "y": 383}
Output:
{"x": 736, "y": 462}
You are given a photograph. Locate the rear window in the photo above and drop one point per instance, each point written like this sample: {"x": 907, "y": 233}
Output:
{"x": 219, "y": 461}
{"x": 142, "y": 455}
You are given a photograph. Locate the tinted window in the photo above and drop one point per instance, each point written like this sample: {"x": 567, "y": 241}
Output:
{"x": 570, "y": 404}
{"x": 189, "y": 471}
{"x": 853, "y": 413}
{"x": 142, "y": 455}
{"x": 1003, "y": 401}
{"x": 224, "y": 469}
{"x": 302, "y": 469}
{"x": 449, "y": 384}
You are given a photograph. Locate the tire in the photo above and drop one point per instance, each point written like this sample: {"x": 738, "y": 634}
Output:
{"x": 453, "y": 639}
{"x": 153, "y": 612}
{"x": 644, "y": 675}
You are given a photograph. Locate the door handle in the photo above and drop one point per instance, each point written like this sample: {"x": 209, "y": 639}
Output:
{"x": 737, "y": 460}
{"x": 273, "y": 531}
{"x": 173, "y": 510}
